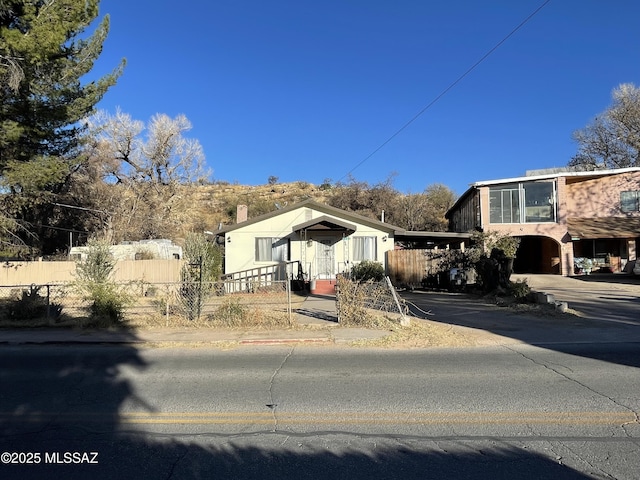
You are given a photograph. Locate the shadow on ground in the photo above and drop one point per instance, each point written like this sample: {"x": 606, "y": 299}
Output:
{"x": 610, "y": 331}
{"x": 61, "y": 400}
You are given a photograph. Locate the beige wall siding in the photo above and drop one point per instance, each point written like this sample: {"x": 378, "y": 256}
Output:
{"x": 40, "y": 273}
{"x": 600, "y": 197}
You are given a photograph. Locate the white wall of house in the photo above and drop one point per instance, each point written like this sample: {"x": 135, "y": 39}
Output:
{"x": 240, "y": 243}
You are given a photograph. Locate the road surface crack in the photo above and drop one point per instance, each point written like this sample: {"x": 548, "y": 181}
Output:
{"x": 636, "y": 419}
{"x": 272, "y": 405}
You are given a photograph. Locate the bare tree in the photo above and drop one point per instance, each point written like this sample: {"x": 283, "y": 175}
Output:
{"x": 426, "y": 210}
{"x": 410, "y": 210}
{"x": 148, "y": 165}
{"x": 612, "y": 140}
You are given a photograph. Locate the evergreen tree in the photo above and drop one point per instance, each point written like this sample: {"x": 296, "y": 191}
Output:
{"x": 43, "y": 56}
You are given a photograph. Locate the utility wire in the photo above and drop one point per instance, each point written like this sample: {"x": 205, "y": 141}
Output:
{"x": 446, "y": 90}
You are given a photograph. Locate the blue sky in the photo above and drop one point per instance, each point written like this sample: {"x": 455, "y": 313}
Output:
{"x": 306, "y": 90}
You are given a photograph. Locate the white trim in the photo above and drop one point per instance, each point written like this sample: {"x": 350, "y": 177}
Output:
{"x": 592, "y": 173}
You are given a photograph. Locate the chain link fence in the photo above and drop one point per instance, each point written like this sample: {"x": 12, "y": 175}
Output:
{"x": 224, "y": 303}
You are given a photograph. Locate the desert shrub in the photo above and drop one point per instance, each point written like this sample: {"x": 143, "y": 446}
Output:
{"x": 231, "y": 313}
{"x": 203, "y": 267}
{"x": 367, "y": 270}
{"x": 363, "y": 304}
{"x": 108, "y": 301}
{"x": 326, "y": 184}
{"x": 520, "y": 290}
{"x": 30, "y": 305}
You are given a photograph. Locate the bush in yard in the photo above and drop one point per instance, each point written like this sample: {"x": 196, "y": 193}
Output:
{"x": 202, "y": 268}
{"x": 30, "y": 305}
{"x": 94, "y": 280}
{"x": 495, "y": 268}
{"x": 367, "y": 270}
{"x": 520, "y": 290}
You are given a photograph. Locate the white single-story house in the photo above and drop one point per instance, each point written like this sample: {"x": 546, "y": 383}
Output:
{"x": 316, "y": 240}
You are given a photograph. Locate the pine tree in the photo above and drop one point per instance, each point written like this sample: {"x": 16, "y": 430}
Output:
{"x": 43, "y": 56}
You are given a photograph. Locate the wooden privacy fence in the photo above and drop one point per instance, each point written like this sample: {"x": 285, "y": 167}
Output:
{"x": 410, "y": 267}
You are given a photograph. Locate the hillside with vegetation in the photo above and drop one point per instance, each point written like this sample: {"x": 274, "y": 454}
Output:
{"x": 206, "y": 207}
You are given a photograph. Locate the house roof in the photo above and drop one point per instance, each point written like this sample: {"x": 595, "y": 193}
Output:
{"x": 603, "y": 227}
{"x": 325, "y": 223}
{"x": 320, "y": 207}
{"x": 578, "y": 175}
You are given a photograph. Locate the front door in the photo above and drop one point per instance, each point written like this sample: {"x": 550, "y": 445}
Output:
{"x": 325, "y": 257}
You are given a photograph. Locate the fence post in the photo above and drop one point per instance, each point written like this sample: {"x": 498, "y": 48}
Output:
{"x": 49, "y": 305}
{"x": 404, "y": 321}
{"x": 167, "y": 305}
{"x": 288, "y": 287}
{"x": 338, "y": 294}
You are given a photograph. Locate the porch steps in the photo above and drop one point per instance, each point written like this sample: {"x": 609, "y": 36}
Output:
{"x": 324, "y": 287}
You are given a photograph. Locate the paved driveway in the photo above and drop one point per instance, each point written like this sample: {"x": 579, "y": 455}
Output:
{"x": 609, "y": 297}
{"x": 607, "y": 306}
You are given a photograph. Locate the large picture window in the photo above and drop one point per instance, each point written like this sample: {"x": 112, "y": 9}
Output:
{"x": 364, "y": 248}
{"x": 270, "y": 249}
{"x": 527, "y": 202}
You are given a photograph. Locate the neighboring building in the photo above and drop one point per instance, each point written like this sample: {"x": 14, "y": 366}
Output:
{"x": 559, "y": 215}
{"x": 321, "y": 241}
{"x": 137, "y": 250}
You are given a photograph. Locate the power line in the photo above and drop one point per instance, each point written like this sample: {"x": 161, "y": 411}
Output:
{"x": 446, "y": 90}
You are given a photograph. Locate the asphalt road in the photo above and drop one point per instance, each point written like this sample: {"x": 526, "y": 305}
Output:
{"x": 567, "y": 411}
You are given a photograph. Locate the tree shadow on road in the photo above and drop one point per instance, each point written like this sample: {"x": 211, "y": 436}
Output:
{"x": 60, "y": 401}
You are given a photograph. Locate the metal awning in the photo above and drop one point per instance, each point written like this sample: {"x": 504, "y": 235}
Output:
{"x": 604, "y": 227}
{"x": 325, "y": 224}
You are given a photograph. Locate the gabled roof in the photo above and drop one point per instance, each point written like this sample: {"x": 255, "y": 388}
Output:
{"x": 325, "y": 223}
{"x": 320, "y": 207}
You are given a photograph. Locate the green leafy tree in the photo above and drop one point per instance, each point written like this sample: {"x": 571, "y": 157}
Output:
{"x": 43, "y": 57}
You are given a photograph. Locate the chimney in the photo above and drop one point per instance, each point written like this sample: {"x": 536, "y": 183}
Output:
{"x": 241, "y": 213}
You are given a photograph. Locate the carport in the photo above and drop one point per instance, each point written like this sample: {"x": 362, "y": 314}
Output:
{"x": 537, "y": 254}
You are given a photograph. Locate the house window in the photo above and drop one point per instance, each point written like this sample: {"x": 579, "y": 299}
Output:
{"x": 539, "y": 202}
{"x": 630, "y": 201}
{"x": 528, "y": 202}
{"x": 272, "y": 249}
{"x": 504, "y": 204}
{"x": 364, "y": 248}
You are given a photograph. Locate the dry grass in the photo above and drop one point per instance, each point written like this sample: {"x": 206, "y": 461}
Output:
{"x": 420, "y": 334}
